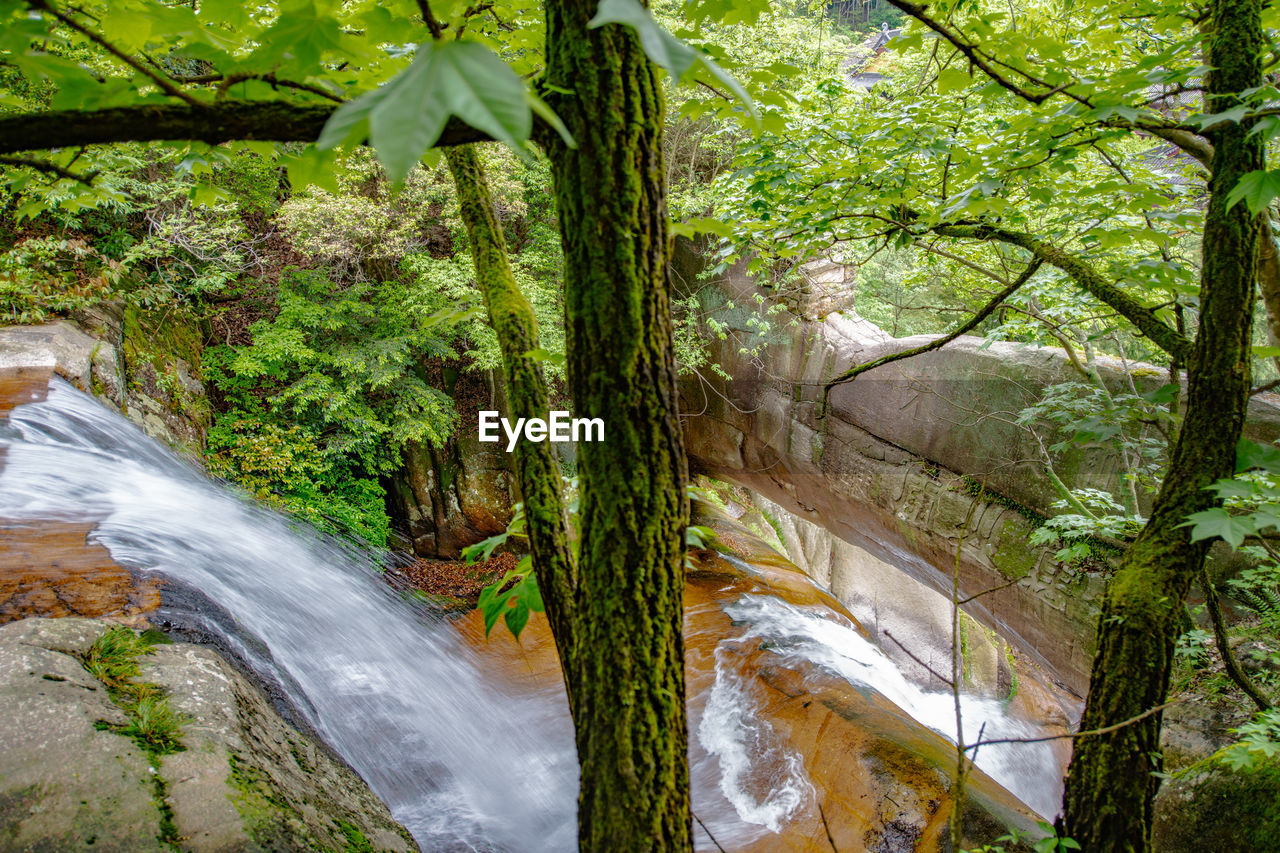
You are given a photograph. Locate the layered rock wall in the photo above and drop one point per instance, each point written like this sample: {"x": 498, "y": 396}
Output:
{"x": 921, "y": 463}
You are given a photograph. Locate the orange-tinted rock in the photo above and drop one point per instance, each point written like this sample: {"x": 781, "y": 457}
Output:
{"x": 49, "y": 568}
{"x": 881, "y": 780}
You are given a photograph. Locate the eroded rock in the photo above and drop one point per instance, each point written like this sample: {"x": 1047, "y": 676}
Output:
{"x": 246, "y": 780}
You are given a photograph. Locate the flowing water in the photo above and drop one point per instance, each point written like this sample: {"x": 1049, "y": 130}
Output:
{"x": 465, "y": 761}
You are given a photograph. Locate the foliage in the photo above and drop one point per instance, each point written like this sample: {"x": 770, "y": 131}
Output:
{"x": 47, "y": 276}
{"x": 326, "y": 398}
{"x": 514, "y": 596}
{"x": 1051, "y": 842}
{"x": 1259, "y": 742}
{"x": 1250, "y": 513}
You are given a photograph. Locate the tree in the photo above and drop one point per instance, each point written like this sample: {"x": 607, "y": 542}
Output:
{"x": 1112, "y": 780}
{"x": 616, "y": 611}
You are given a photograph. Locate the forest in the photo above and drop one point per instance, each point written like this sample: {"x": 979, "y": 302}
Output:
{"x": 640, "y": 425}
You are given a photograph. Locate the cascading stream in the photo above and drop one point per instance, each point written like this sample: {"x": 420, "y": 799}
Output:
{"x": 393, "y": 692}
{"x": 462, "y": 760}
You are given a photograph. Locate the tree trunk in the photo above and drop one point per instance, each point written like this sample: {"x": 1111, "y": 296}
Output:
{"x": 1111, "y": 781}
{"x": 536, "y": 466}
{"x": 626, "y": 682}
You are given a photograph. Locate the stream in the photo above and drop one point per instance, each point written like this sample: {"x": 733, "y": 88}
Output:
{"x": 469, "y": 743}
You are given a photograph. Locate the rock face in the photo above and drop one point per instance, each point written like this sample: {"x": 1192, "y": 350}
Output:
{"x": 896, "y": 464}
{"x": 446, "y": 499}
{"x": 146, "y": 366}
{"x": 871, "y": 778}
{"x": 246, "y": 780}
{"x": 1209, "y": 806}
{"x": 900, "y": 613}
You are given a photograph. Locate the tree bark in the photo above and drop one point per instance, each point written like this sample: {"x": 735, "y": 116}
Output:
{"x": 627, "y": 679}
{"x": 536, "y": 467}
{"x": 1111, "y": 781}
{"x": 226, "y": 121}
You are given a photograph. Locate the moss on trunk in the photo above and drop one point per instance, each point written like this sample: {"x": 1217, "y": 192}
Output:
{"x": 627, "y": 679}
{"x": 516, "y": 327}
{"x": 1112, "y": 781}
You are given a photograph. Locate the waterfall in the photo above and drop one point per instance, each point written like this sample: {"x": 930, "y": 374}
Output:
{"x": 463, "y": 760}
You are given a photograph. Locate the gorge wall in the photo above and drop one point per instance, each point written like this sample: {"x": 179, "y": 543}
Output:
{"x": 920, "y": 463}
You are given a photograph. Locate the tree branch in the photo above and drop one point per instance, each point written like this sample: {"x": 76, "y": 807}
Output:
{"x": 986, "y": 63}
{"x": 1086, "y": 277}
{"x": 1224, "y": 644}
{"x": 277, "y": 121}
{"x": 49, "y": 168}
{"x": 165, "y": 85}
{"x": 1090, "y": 733}
{"x": 984, "y": 312}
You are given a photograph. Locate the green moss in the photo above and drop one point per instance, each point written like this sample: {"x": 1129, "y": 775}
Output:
{"x": 154, "y": 726}
{"x": 1013, "y": 672}
{"x": 275, "y": 824}
{"x": 268, "y": 818}
{"x": 355, "y": 839}
{"x": 974, "y": 487}
{"x": 1014, "y": 558}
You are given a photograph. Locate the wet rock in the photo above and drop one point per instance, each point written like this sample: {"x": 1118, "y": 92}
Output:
{"x": 143, "y": 364}
{"x": 50, "y": 568}
{"x": 874, "y": 778}
{"x": 246, "y": 780}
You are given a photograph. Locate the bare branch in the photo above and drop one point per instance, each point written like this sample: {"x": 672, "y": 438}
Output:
{"x": 911, "y": 655}
{"x": 982, "y": 314}
{"x": 1090, "y": 733}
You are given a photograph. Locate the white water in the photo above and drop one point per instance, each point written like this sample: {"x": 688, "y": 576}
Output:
{"x": 797, "y": 634}
{"x": 397, "y": 695}
{"x": 464, "y": 765}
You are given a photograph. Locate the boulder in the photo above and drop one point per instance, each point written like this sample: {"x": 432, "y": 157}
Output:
{"x": 445, "y": 499}
{"x": 245, "y": 779}
{"x": 1210, "y": 806}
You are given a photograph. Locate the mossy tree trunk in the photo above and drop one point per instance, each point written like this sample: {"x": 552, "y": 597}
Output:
{"x": 617, "y": 614}
{"x": 1112, "y": 779}
{"x": 627, "y": 679}
{"x": 536, "y": 467}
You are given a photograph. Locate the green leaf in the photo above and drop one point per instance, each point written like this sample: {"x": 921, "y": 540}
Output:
{"x": 540, "y": 354}
{"x": 1250, "y": 454}
{"x": 1217, "y": 523}
{"x": 664, "y": 49}
{"x": 704, "y": 225}
{"x": 483, "y": 549}
{"x": 548, "y": 115}
{"x": 300, "y": 38}
{"x": 514, "y": 605}
{"x": 406, "y": 116}
{"x": 1257, "y": 188}
{"x": 952, "y": 80}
